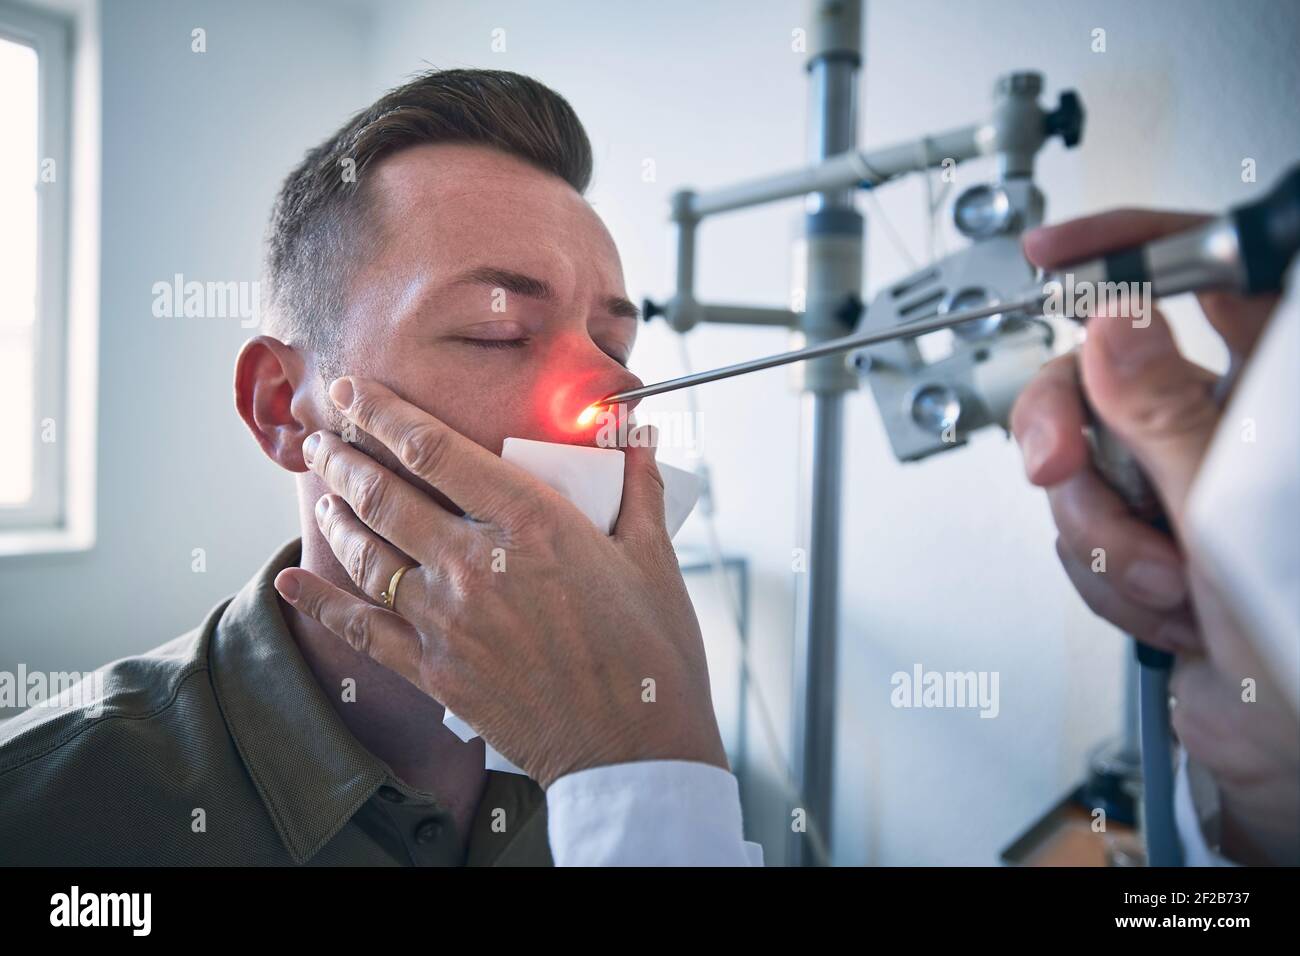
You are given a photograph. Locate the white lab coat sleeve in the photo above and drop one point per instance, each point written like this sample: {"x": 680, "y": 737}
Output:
{"x": 1242, "y": 507}
{"x": 1196, "y": 815}
{"x": 648, "y": 813}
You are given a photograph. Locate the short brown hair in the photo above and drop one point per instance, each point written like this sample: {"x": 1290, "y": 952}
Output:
{"x": 320, "y": 210}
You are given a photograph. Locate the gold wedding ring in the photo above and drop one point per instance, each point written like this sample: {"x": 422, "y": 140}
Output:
{"x": 390, "y": 596}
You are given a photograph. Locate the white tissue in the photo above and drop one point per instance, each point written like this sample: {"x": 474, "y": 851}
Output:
{"x": 591, "y": 478}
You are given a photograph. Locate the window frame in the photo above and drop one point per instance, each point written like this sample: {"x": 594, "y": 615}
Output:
{"x": 50, "y": 36}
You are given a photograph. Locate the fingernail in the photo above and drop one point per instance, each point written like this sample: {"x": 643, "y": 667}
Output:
{"x": 341, "y": 393}
{"x": 322, "y": 506}
{"x": 1178, "y": 635}
{"x": 309, "y": 447}
{"x": 288, "y": 588}
{"x": 1155, "y": 584}
{"x": 1035, "y": 446}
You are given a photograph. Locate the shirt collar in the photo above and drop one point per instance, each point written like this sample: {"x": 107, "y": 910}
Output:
{"x": 310, "y": 771}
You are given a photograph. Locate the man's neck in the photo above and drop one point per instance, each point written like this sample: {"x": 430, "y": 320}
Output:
{"x": 389, "y": 716}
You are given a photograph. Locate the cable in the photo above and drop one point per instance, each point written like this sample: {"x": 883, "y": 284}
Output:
{"x": 1164, "y": 848}
{"x": 895, "y": 239}
{"x": 934, "y": 201}
{"x": 924, "y": 169}
{"x": 793, "y": 793}
{"x": 1163, "y": 845}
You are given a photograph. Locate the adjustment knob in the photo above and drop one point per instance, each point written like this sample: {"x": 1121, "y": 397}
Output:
{"x": 1066, "y": 120}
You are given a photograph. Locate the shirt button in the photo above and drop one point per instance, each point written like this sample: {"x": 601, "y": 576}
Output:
{"x": 391, "y": 794}
{"x": 428, "y": 831}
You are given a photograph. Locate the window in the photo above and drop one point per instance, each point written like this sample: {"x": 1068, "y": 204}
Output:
{"x": 35, "y": 169}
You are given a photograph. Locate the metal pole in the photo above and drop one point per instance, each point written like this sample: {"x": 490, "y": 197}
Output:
{"x": 834, "y": 238}
{"x": 1131, "y": 741}
{"x": 853, "y": 169}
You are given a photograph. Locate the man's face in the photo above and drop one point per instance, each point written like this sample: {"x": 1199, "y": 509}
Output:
{"x": 492, "y": 298}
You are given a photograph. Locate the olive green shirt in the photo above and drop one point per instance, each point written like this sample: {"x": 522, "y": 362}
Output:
{"x": 220, "y": 748}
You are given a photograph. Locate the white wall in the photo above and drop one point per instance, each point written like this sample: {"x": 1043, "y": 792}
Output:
{"x": 948, "y": 563}
{"x": 194, "y": 148}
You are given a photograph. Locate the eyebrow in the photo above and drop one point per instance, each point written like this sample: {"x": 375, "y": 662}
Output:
{"x": 517, "y": 283}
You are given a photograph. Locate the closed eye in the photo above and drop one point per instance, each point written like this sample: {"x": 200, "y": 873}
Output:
{"x": 496, "y": 343}
{"x": 521, "y": 343}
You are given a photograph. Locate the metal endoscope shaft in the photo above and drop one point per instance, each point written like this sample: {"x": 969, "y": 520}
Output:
{"x": 1247, "y": 249}
{"x": 847, "y": 343}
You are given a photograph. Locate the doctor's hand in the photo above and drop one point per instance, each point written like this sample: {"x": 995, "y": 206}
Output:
{"x": 563, "y": 647}
{"x": 1162, "y": 407}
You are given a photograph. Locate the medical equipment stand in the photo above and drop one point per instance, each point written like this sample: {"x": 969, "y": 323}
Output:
{"x": 1014, "y": 132}
{"x": 930, "y": 406}
{"x": 834, "y": 231}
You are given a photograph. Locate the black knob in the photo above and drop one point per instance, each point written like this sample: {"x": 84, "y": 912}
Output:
{"x": 1066, "y": 120}
{"x": 1268, "y": 232}
{"x": 649, "y": 310}
{"x": 850, "y": 310}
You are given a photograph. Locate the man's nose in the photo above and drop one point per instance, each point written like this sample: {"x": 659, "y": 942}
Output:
{"x": 602, "y": 374}
{"x": 579, "y": 374}
{"x": 624, "y": 381}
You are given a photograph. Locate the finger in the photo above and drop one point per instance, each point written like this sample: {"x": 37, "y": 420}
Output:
{"x": 1212, "y": 721}
{"x": 1047, "y": 420}
{"x": 641, "y": 515}
{"x": 390, "y": 506}
{"x": 369, "y": 560}
{"x": 480, "y": 483}
{"x": 1238, "y": 319}
{"x": 381, "y": 635}
{"x": 1172, "y": 632}
{"x": 1264, "y": 718}
{"x": 1158, "y": 404}
{"x": 1066, "y": 243}
{"x": 1140, "y": 563}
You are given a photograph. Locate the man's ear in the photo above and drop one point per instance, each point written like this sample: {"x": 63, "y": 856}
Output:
{"x": 275, "y": 400}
